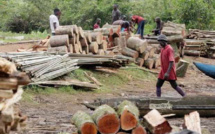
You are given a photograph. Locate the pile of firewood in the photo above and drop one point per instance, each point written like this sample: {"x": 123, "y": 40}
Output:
{"x": 200, "y": 37}
{"x": 10, "y": 93}
{"x": 126, "y": 119}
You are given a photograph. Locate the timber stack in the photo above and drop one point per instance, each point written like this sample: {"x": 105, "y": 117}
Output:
{"x": 202, "y": 36}
{"x": 43, "y": 66}
{"x": 11, "y": 118}
{"x": 126, "y": 119}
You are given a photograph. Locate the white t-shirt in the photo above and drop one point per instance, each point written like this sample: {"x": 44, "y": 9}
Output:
{"x": 53, "y": 19}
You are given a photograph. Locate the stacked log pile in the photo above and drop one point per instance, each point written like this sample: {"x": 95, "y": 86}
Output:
{"x": 43, "y": 66}
{"x": 195, "y": 47}
{"x": 144, "y": 54}
{"x": 208, "y": 37}
{"x": 11, "y": 118}
{"x": 73, "y": 39}
{"x": 126, "y": 119}
{"x": 171, "y": 29}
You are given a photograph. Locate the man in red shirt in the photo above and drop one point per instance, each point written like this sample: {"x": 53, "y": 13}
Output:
{"x": 141, "y": 23}
{"x": 168, "y": 69}
{"x": 97, "y": 25}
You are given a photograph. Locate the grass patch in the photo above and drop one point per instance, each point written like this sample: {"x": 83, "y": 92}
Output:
{"x": 32, "y": 36}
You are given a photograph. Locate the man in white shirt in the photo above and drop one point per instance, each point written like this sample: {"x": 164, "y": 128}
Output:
{"x": 54, "y": 20}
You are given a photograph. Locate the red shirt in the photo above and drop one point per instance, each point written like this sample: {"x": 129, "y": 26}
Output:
{"x": 167, "y": 55}
{"x": 96, "y": 26}
{"x": 137, "y": 19}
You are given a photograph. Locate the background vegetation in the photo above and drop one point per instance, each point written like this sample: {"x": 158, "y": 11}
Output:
{"x": 33, "y": 15}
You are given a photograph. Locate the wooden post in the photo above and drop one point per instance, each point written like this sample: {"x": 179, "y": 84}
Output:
{"x": 84, "y": 123}
{"x": 156, "y": 123}
{"x": 129, "y": 115}
{"x": 106, "y": 120}
{"x": 192, "y": 122}
{"x": 182, "y": 68}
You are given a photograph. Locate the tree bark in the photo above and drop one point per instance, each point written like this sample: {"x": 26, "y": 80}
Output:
{"x": 84, "y": 123}
{"x": 94, "y": 47}
{"x": 59, "y": 40}
{"x": 140, "y": 62}
{"x": 139, "y": 130}
{"x": 61, "y": 49}
{"x": 97, "y": 37}
{"x": 129, "y": 115}
{"x": 182, "y": 68}
{"x": 192, "y": 122}
{"x": 129, "y": 52}
{"x": 137, "y": 44}
{"x": 106, "y": 120}
{"x": 149, "y": 63}
{"x": 192, "y": 53}
{"x": 64, "y": 30}
{"x": 156, "y": 123}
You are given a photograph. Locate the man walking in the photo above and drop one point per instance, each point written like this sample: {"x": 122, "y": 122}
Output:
{"x": 54, "y": 20}
{"x": 140, "y": 22}
{"x": 168, "y": 69}
{"x": 115, "y": 13}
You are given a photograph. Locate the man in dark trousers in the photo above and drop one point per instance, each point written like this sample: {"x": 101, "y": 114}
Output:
{"x": 159, "y": 26}
{"x": 141, "y": 23}
{"x": 54, "y": 20}
{"x": 115, "y": 13}
{"x": 97, "y": 24}
{"x": 168, "y": 69}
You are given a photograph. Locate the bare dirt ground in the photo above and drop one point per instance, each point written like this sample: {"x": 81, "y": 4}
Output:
{"x": 51, "y": 114}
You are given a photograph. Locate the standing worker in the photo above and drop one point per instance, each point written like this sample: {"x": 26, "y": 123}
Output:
{"x": 97, "y": 24}
{"x": 115, "y": 13}
{"x": 168, "y": 69}
{"x": 125, "y": 25}
{"x": 141, "y": 23}
{"x": 159, "y": 26}
{"x": 54, "y": 20}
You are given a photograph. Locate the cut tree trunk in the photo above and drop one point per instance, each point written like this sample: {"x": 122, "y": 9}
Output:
{"x": 192, "y": 122}
{"x": 151, "y": 51}
{"x": 192, "y": 53}
{"x": 83, "y": 42}
{"x": 175, "y": 39}
{"x": 97, "y": 37}
{"x": 156, "y": 58}
{"x": 156, "y": 123}
{"x": 101, "y": 52}
{"x": 86, "y": 49}
{"x": 113, "y": 29}
{"x": 106, "y": 120}
{"x": 84, "y": 123}
{"x": 117, "y": 41}
{"x": 104, "y": 31}
{"x": 103, "y": 45}
{"x": 182, "y": 68}
{"x": 144, "y": 55}
{"x": 61, "y": 49}
{"x": 129, "y": 52}
{"x": 129, "y": 115}
{"x": 74, "y": 27}
{"x": 110, "y": 53}
{"x": 59, "y": 40}
{"x": 149, "y": 63}
{"x": 8, "y": 83}
{"x": 6, "y": 94}
{"x": 140, "y": 62}
{"x": 88, "y": 37}
{"x": 137, "y": 44}
{"x": 81, "y": 32}
{"x": 158, "y": 48}
{"x": 77, "y": 38}
{"x": 72, "y": 40}
{"x": 139, "y": 130}
{"x": 94, "y": 47}
{"x": 75, "y": 48}
{"x": 63, "y": 30}
{"x": 123, "y": 41}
